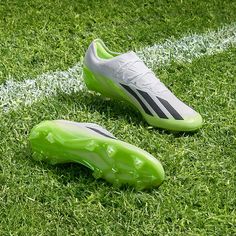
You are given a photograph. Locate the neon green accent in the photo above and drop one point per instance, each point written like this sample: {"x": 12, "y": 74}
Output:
{"x": 113, "y": 160}
{"x": 102, "y": 51}
{"x": 108, "y": 88}
{"x": 101, "y": 86}
{"x": 190, "y": 124}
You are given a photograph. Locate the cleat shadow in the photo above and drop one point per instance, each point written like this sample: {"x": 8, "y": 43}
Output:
{"x": 116, "y": 109}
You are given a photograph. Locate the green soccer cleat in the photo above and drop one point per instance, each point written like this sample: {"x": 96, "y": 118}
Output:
{"x": 61, "y": 141}
{"x": 126, "y": 77}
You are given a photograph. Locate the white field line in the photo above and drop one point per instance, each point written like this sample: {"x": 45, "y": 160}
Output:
{"x": 14, "y": 94}
{"x": 190, "y": 47}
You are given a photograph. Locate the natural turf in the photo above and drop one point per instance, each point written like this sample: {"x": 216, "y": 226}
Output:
{"x": 198, "y": 196}
{"x": 37, "y": 36}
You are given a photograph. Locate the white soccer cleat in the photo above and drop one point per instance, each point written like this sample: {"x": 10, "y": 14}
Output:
{"x": 126, "y": 77}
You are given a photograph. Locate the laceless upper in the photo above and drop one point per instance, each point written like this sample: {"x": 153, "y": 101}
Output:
{"x": 130, "y": 72}
{"x": 129, "y": 68}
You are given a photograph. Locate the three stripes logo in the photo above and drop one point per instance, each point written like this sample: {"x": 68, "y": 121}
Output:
{"x": 100, "y": 132}
{"x": 147, "y": 99}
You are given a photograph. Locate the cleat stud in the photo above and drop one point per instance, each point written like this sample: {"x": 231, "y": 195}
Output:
{"x": 88, "y": 165}
{"x": 91, "y": 145}
{"x": 97, "y": 174}
{"x": 151, "y": 177}
{"x": 111, "y": 150}
{"x": 50, "y": 138}
{"x": 138, "y": 163}
{"x": 114, "y": 170}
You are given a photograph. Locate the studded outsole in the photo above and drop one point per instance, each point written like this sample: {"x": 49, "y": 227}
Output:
{"x": 115, "y": 161}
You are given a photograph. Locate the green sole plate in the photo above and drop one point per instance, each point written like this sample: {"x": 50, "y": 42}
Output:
{"x": 113, "y": 160}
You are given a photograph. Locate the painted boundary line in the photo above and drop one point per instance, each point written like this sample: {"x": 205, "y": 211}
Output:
{"x": 190, "y": 47}
{"x": 15, "y": 94}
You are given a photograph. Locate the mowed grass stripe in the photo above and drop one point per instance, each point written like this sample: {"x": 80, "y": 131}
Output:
{"x": 14, "y": 94}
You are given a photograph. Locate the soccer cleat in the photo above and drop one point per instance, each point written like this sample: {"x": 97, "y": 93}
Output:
{"x": 61, "y": 141}
{"x": 126, "y": 77}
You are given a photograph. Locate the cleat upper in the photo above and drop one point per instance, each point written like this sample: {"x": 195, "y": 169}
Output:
{"x": 125, "y": 76}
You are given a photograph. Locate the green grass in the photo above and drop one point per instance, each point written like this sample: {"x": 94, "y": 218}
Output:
{"x": 198, "y": 196}
{"x": 36, "y": 36}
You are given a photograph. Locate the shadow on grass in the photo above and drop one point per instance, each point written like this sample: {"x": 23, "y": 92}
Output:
{"x": 116, "y": 109}
{"x": 110, "y": 108}
{"x": 81, "y": 176}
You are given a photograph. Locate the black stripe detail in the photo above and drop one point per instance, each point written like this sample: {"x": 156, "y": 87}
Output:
{"x": 100, "y": 132}
{"x": 137, "y": 98}
{"x": 170, "y": 109}
{"x": 152, "y": 103}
